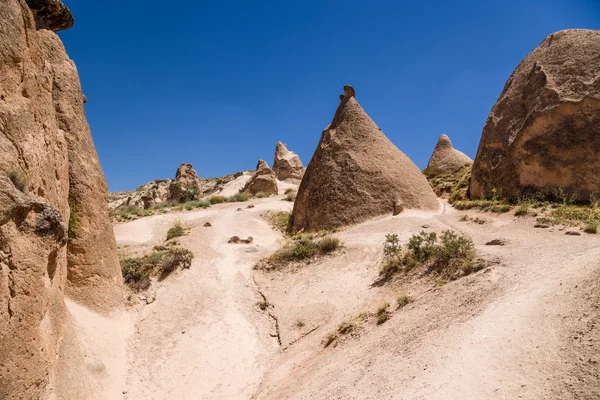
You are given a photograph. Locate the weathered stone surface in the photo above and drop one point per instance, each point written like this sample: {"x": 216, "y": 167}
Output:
{"x": 51, "y": 14}
{"x": 543, "y": 133}
{"x": 446, "y": 159}
{"x": 287, "y": 165}
{"x": 356, "y": 173}
{"x": 263, "y": 180}
{"x": 50, "y": 178}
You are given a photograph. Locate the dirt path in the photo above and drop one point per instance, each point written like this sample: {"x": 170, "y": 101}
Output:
{"x": 523, "y": 328}
{"x": 204, "y": 337}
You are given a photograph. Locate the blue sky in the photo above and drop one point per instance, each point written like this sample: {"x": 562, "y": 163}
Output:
{"x": 218, "y": 83}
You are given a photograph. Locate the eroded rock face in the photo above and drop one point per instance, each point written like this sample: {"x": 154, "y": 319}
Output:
{"x": 287, "y": 165}
{"x": 50, "y": 179}
{"x": 446, "y": 159}
{"x": 263, "y": 180}
{"x": 543, "y": 133}
{"x": 357, "y": 173}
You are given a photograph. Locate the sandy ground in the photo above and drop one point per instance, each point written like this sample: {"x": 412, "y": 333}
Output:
{"x": 525, "y": 327}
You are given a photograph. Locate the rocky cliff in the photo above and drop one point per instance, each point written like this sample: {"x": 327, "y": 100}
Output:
{"x": 55, "y": 235}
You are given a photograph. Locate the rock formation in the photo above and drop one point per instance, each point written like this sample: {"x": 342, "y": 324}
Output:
{"x": 543, "y": 133}
{"x": 287, "y": 165}
{"x": 187, "y": 184}
{"x": 446, "y": 159}
{"x": 55, "y": 233}
{"x": 263, "y": 180}
{"x": 357, "y": 173}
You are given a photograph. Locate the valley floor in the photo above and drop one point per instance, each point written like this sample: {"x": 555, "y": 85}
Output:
{"x": 527, "y": 326}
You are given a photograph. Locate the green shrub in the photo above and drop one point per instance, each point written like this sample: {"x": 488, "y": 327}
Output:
{"x": 290, "y": 196}
{"x": 591, "y": 226}
{"x": 137, "y": 271}
{"x": 261, "y": 195}
{"x": 328, "y": 244}
{"x": 176, "y": 230}
{"x": 18, "y": 179}
{"x": 303, "y": 247}
{"x": 73, "y": 220}
{"x": 239, "y": 197}
{"x": 289, "y": 190}
{"x": 403, "y": 301}
{"x": 217, "y": 199}
{"x": 279, "y": 220}
{"x": 382, "y": 313}
{"x": 449, "y": 256}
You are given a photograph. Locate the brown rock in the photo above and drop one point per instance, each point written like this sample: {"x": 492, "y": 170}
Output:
{"x": 207, "y": 224}
{"x": 263, "y": 180}
{"x": 356, "y": 173}
{"x": 187, "y": 184}
{"x": 287, "y": 165}
{"x": 446, "y": 159}
{"x": 543, "y": 133}
{"x": 398, "y": 207}
{"x": 51, "y": 14}
{"x": 50, "y": 178}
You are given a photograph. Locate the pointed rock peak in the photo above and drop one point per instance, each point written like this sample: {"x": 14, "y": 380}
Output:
{"x": 287, "y": 164}
{"x": 356, "y": 173}
{"x": 446, "y": 159}
{"x": 281, "y": 148}
{"x": 262, "y": 164}
{"x": 444, "y": 142}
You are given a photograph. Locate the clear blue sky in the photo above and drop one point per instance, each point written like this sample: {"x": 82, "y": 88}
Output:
{"x": 217, "y": 83}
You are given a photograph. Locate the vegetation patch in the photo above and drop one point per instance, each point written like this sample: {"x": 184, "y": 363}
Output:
{"x": 300, "y": 248}
{"x": 403, "y": 301}
{"x": 279, "y": 220}
{"x": 290, "y": 195}
{"x": 239, "y": 197}
{"x": 176, "y": 230}
{"x": 454, "y": 185}
{"x": 138, "y": 271}
{"x": 448, "y": 257}
{"x": 19, "y": 179}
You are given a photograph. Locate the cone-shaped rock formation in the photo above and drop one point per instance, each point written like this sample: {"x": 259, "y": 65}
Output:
{"x": 357, "y": 173}
{"x": 446, "y": 159}
{"x": 287, "y": 164}
{"x": 543, "y": 133}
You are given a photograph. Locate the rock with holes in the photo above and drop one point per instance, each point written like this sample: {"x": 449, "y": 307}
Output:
{"x": 543, "y": 133}
{"x": 287, "y": 165}
{"x": 356, "y": 173}
{"x": 446, "y": 159}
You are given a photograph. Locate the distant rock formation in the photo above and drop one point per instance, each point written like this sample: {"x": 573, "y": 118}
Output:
{"x": 55, "y": 234}
{"x": 357, "y": 173}
{"x": 187, "y": 185}
{"x": 543, "y": 133}
{"x": 446, "y": 159}
{"x": 287, "y": 165}
{"x": 263, "y": 180}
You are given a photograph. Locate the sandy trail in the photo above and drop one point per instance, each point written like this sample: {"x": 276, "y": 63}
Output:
{"x": 506, "y": 332}
{"x": 203, "y": 337}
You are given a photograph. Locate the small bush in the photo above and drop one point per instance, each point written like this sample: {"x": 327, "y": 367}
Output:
{"x": 263, "y": 305}
{"x": 137, "y": 271}
{"x": 346, "y": 327}
{"x": 303, "y": 247}
{"x": 217, "y": 199}
{"x": 289, "y": 190}
{"x": 450, "y": 256}
{"x": 73, "y": 220}
{"x": 522, "y": 210}
{"x": 329, "y": 339}
{"x": 261, "y": 195}
{"x": 403, "y": 301}
{"x": 279, "y": 220}
{"x": 191, "y": 205}
{"x": 176, "y": 230}
{"x": 18, "y": 179}
{"x": 239, "y": 197}
{"x": 382, "y": 313}
{"x": 290, "y": 196}
{"x": 299, "y": 324}
{"x": 591, "y": 226}
{"x": 328, "y": 244}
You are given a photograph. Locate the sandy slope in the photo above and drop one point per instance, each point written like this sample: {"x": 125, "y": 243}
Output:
{"x": 526, "y": 326}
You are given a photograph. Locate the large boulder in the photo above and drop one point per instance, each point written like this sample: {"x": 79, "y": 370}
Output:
{"x": 357, "y": 173}
{"x": 262, "y": 181}
{"x": 287, "y": 165}
{"x": 446, "y": 159}
{"x": 543, "y": 133}
{"x": 187, "y": 184}
{"x": 55, "y": 233}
